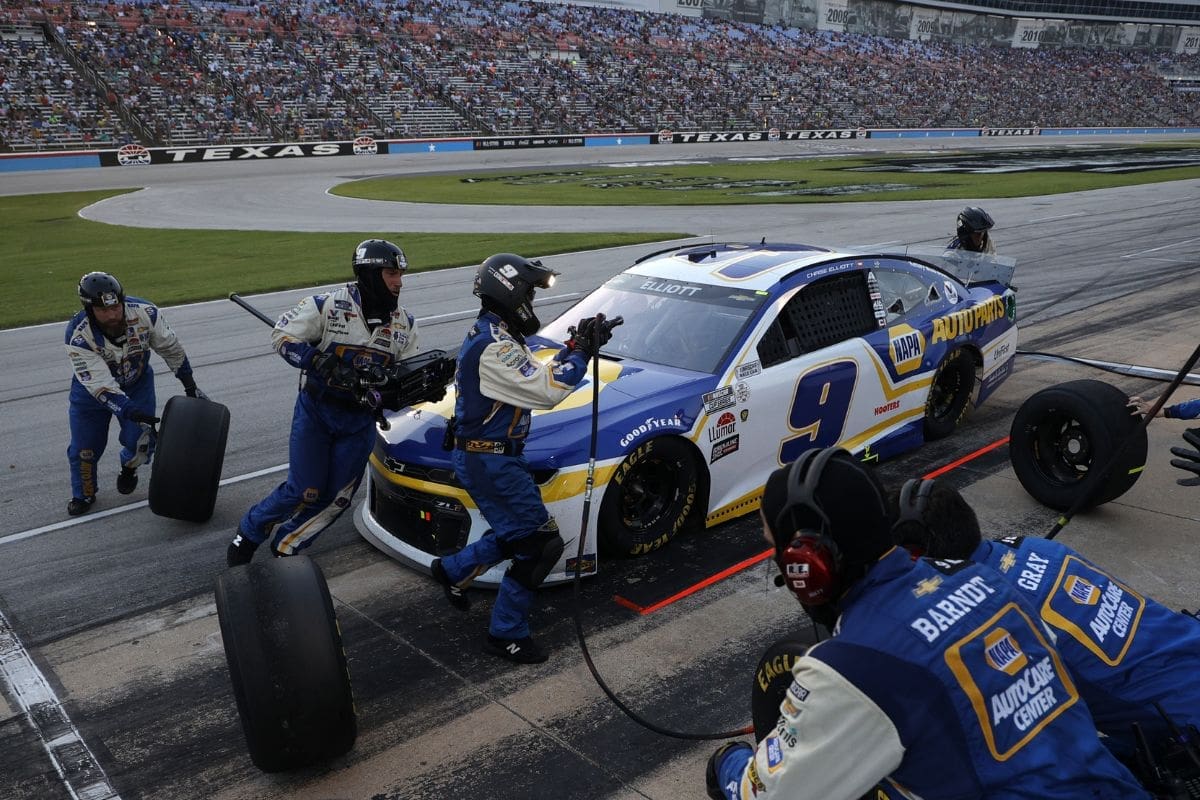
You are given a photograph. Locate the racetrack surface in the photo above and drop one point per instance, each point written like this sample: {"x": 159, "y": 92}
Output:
{"x": 116, "y": 611}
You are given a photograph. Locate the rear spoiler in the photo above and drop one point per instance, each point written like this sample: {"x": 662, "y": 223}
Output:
{"x": 968, "y": 267}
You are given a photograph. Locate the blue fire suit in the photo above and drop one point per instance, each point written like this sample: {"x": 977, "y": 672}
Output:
{"x": 1188, "y": 409}
{"x": 941, "y": 678}
{"x": 1126, "y": 651}
{"x": 498, "y": 381}
{"x": 114, "y": 376}
{"x": 332, "y": 433}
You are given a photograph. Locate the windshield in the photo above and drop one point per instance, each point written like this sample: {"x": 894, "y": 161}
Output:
{"x": 669, "y": 322}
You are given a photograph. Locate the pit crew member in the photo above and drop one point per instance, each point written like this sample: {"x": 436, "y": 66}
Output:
{"x": 1127, "y": 652}
{"x": 938, "y": 675}
{"x": 330, "y": 337}
{"x": 109, "y": 343}
{"x": 973, "y": 226}
{"x": 499, "y": 381}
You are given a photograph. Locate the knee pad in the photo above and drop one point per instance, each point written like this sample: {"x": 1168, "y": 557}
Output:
{"x": 535, "y": 555}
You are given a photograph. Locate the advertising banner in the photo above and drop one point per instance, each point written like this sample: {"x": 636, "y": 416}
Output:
{"x": 136, "y": 155}
{"x": 772, "y": 135}
{"x": 521, "y": 142}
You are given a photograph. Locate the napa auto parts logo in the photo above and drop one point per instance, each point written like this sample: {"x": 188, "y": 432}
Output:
{"x": 136, "y": 154}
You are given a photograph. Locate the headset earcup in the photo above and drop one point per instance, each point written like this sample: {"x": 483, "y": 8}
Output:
{"x": 810, "y": 570}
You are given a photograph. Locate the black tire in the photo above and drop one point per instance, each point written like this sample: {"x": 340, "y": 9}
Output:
{"x": 188, "y": 458}
{"x": 949, "y": 397}
{"x": 1062, "y": 435}
{"x": 650, "y": 498}
{"x": 771, "y": 681}
{"x": 286, "y": 662}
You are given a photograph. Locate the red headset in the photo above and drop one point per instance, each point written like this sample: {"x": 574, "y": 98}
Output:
{"x": 810, "y": 564}
{"x": 910, "y": 530}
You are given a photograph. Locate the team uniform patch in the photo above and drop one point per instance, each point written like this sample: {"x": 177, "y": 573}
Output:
{"x": 1100, "y": 613}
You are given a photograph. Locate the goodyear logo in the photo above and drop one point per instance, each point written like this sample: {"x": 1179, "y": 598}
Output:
{"x": 906, "y": 346}
{"x": 960, "y": 323}
{"x": 1002, "y": 652}
{"x": 1081, "y": 591}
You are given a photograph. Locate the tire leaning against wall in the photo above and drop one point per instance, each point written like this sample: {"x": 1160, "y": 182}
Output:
{"x": 286, "y": 662}
{"x": 188, "y": 456}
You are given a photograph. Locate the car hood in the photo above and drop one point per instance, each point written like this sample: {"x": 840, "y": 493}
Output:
{"x": 637, "y": 400}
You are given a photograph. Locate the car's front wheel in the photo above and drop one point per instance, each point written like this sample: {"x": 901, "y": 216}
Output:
{"x": 650, "y": 498}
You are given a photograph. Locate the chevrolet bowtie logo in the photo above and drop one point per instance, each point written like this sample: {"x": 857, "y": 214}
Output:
{"x": 927, "y": 586}
{"x": 1007, "y": 561}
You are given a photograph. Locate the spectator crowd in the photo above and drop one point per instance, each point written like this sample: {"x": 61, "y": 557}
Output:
{"x": 75, "y": 73}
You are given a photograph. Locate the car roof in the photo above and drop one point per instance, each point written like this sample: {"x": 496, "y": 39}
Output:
{"x": 747, "y": 266}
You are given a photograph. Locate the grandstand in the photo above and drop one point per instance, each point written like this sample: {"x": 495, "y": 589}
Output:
{"x": 185, "y": 72}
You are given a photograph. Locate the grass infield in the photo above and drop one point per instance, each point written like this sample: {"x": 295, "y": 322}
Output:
{"x": 46, "y": 246}
{"x": 799, "y": 180}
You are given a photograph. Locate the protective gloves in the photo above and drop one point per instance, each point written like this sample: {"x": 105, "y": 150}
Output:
{"x": 591, "y": 334}
{"x": 334, "y": 371}
{"x": 729, "y": 758}
{"x": 1189, "y": 460}
{"x": 190, "y": 389}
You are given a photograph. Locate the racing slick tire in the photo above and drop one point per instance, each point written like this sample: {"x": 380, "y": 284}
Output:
{"x": 771, "y": 682}
{"x": 1062, "y": 435}
{"x": 949, "y": 394}
{"x": 187, "y": 458}
{"x": 286, "y": 662}
{"x": 650, "y": 498}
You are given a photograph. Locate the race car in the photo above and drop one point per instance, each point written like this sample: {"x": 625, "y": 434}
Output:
{"x": 732, "y": 360}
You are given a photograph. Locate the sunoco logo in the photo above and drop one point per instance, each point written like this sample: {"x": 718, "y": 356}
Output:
{"x": 365, "y": 146}
{"x": 133, "y": 155}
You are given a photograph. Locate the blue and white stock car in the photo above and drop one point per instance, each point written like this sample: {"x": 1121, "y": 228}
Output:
{"x": 732, "y": 361}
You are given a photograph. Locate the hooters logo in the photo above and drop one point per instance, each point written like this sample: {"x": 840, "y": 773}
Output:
{"x": 133, "y": 155}
{"x": 365, "y": 146}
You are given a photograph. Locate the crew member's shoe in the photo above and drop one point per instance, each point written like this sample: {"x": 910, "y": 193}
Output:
{"x": 80, "y": 505}
{"x": 454, "y": 593}
{"x": 127, "y": 480}
{"x": 520, "y": 651}
{"x": 240, "y": 551}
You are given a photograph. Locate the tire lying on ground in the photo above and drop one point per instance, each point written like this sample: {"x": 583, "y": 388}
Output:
{"x": 187, "y": 458}
{"x": 771, "y": 682}
{"x": 286, "y": 662}
{"x": 1064, "y": 435}
{"x": 650, "y": 498}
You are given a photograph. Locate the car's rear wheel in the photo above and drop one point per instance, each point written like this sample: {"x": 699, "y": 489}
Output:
{"x": 650, "y": 498}
{"x": 1062, "y": 437}
{"x": 188, "y": 457}
{"x": 949, "y": 394}
{"x": 286, "y": 662}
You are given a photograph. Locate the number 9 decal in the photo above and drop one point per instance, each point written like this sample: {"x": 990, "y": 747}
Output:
{"x": 819, "y": 409}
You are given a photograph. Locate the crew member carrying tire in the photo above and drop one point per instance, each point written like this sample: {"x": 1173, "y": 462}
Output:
{"x": 332, "y": 337}
{"x": 109, "y": 343}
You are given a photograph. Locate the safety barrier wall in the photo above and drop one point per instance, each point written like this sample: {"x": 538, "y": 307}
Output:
{"x": 135, "y": 155}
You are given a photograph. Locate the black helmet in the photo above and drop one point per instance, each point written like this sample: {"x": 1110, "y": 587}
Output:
{"x": 100, "y": 289}
{"x": 974, "y": 219}
{"x": 371, "y": 257}
{"x": 506, "y": 283}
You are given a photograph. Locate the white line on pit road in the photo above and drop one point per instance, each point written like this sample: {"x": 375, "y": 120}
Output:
{"x": 1160, "y": 247}
{"x": 70, "y": 523}
{"x": 74, "y": 762}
